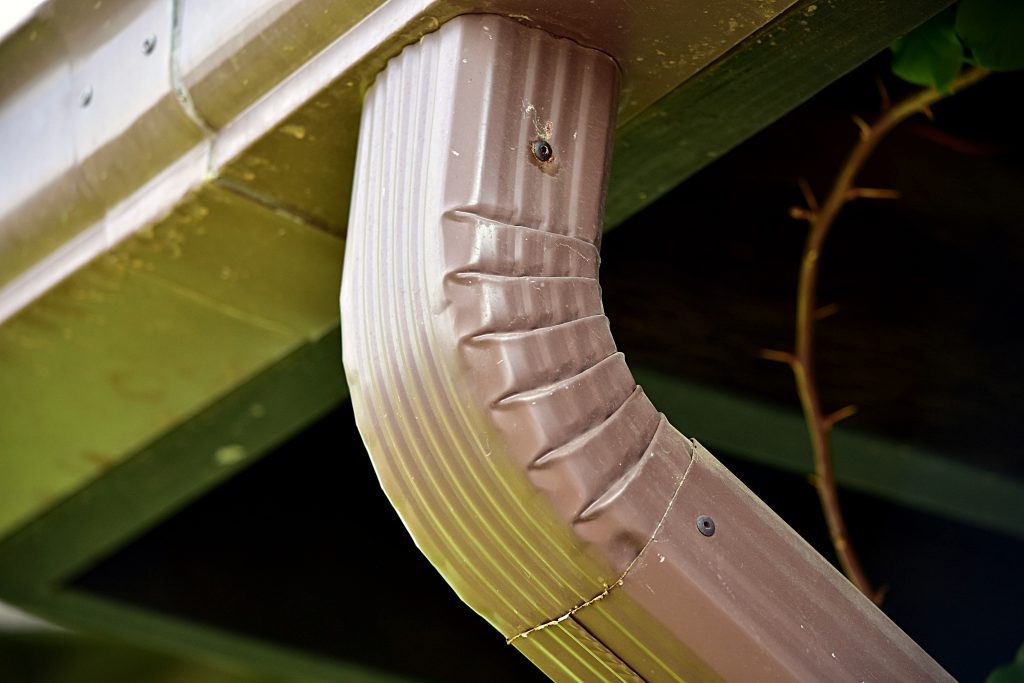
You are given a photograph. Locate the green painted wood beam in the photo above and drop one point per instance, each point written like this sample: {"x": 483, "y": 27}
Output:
{"x": 147, "y": 486}
{"x": 175, "y": 468}
{"x": 810, "y": 46}
{"x": 146, "y": 336}
{"x": 62, "y": 657}
{"x": 916, "y": 477}
{"x": 162, "y": 633}
{"x": 201, "y": 452}
{"x": 266, "y": 410}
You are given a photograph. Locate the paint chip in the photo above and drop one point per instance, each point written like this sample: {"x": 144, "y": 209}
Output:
{"x": 231, "y": 454}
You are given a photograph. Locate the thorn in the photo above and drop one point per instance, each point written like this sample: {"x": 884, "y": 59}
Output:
{"x": 808, "y": 193}
{"x": 883, "y": 94}
{"x": 871, "y": 193}
{"x": 826, "y": 311}
{"x": 778, "y": 356}
{"x": 927, "y": 111}
{"x": 812, "y": 479}
{"x": 961, "y": 145}
{"x": 865, "y": 129}
{"x": 801, "y": 214}
{"x": 879, "y": 595}
{"x": 829, "y": 421}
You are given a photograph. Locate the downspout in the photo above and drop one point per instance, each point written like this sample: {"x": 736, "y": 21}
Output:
{"x": 506, "y": 428}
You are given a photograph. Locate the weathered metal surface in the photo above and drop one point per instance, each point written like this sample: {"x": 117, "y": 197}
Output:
{"x": 87, "y": 115}
{"x": 231, "y": 53}
{"x": 507, "y": 430}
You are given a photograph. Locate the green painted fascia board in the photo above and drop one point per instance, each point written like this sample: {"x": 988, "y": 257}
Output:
{"x": 811, "y": 45}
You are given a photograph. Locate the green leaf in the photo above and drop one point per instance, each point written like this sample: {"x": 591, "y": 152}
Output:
{"x": 1011, "y": 673}
{"x": 931, "y": 54}
{"x": 994, "y": 32}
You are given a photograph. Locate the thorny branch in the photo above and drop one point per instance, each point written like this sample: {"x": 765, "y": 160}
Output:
{"x": 801, "y": 359}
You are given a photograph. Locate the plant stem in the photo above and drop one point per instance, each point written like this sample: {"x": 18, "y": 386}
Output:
{"x": 819, "y": 425}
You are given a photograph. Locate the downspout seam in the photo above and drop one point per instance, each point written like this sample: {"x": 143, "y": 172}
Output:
{"x": 622, "y": 578}
{"x": 181, "y": 91}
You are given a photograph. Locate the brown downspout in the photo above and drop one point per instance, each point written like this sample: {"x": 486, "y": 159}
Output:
{"x": 507, "y": 430}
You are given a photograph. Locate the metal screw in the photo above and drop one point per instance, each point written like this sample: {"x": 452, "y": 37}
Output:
{"x": 542, "y": 150}
{"x": 86, "y": 97}
{"x": 149, "y": 44}
{"x": 706, "y": 525}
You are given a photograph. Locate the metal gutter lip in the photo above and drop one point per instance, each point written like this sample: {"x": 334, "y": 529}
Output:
{"x": 14, "y": 15}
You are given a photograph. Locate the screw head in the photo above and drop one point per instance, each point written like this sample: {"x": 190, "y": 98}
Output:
{"x": 149, "y": 44}
{"x": 706, "y": 525}
{"x": 542, "y": 150}
{"x": 86, "y": 97}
